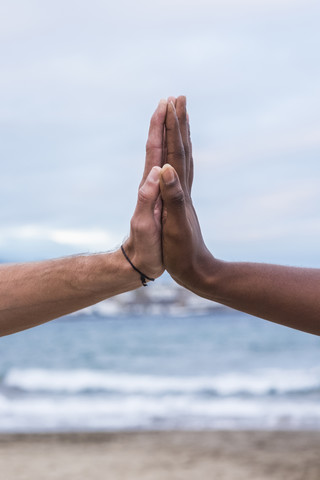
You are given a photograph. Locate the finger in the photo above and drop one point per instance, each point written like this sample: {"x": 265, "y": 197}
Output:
{"x": 164, "y": 147}
{"x": 158, "y": 210}
{"x": 148, "y": 193}
{"x": 172, "y": 194}
{"x": 154, "y": 154}
{"x": 158, "y": 204}
{"x": 172, "y": 99}
{"x": 181, "y": 109}
{"x": 190, "y": 176}
{"x": 175, "y": 148}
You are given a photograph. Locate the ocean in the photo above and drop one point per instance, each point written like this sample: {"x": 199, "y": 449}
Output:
{"x": 218, "y": 370}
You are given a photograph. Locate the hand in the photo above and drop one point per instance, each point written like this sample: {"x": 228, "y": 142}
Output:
{"x": 286, "y": 295}
{"x": 185, "y": 255}
{"x": 143, "y": 246}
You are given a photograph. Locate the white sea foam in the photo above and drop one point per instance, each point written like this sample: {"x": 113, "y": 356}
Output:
{"x": 245, "y": 393}
{"x": 59, "y": 400}
{"x": 260, "y": 382}
{"x": 79, "y": 412}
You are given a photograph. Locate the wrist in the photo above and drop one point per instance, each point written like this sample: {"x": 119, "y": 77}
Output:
{"x": 211, "y": 279}
{"x": 146, "y": 259}
{"x": 135, "y": 264}
{"x": 115, "y": 266}
{"x": 204, "y": 277}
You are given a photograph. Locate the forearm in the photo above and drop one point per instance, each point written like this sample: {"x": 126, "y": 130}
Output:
{"x": 34, "y": 293}
{"x": 286, "y": 295}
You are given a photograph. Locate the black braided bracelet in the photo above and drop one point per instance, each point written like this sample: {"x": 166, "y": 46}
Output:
{"x": 143, "y": 277}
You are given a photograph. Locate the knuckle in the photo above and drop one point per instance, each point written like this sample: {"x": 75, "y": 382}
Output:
{"x": 143, "y": 195}
{"x": 151, "y": 147}
{"x": 133, "y": 223}
{"x": 177, "y": 197}
{"x": 176, "y": 152}
{"x": 140, "y": 227}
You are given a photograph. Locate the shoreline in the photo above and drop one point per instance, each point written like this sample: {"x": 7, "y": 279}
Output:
{"x": 157, "y": 455}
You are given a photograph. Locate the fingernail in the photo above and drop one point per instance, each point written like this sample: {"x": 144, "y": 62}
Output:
{"x": 168, "y": 174}
{"x": 163, "y": 101}
{"x": 154, "y": 174}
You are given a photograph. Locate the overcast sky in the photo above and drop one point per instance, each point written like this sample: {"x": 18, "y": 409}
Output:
{"x": 80, "y": 80}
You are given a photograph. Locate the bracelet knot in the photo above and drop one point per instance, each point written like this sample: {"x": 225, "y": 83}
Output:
{"x": 143, "y": 277}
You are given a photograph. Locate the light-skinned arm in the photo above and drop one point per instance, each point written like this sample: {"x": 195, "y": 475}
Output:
{"x": 36, "y": 292}
{"x": 286, "y": 295}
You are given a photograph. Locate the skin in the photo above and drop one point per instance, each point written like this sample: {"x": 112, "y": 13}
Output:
{"x": 36, "y": 292}
{"x": 164, "y": 232}
{"x": 286, "y": 295}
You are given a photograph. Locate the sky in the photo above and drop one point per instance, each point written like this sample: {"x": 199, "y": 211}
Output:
{"x": 79, "y": 82}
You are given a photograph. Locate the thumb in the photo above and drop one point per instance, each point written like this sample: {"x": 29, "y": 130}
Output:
{"x": 171, "y": 191}
{"x": 149, "y": 192}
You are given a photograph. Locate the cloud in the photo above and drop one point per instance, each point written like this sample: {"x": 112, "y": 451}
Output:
{"x": 79, "y": 81}
{"x": 88, "y": 240}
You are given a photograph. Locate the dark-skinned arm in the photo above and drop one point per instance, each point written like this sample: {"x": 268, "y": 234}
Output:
{"x": 286, "y": 295}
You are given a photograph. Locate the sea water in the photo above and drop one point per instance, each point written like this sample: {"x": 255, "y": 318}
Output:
{"x": 223, "y": 370}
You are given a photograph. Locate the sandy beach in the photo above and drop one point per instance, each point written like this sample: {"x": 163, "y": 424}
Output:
{"x": 158, "y": 455}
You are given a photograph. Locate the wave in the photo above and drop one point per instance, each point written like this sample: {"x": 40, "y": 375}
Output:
{"x": 41, "y": 400}
{"x": 139, "y": 412}
{"x": 262, "y": 382}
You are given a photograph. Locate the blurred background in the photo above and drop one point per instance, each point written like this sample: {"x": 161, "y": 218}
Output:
{"x": 78, "y": 84}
